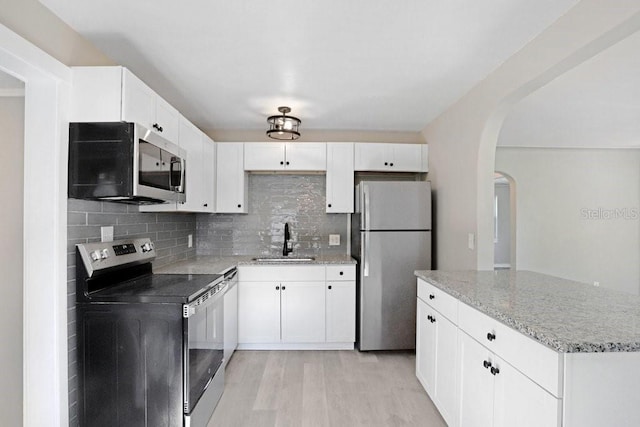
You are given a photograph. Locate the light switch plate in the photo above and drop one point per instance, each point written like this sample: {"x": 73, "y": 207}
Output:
{"x": 334, "y": 240}
{"x": 472, "y": 241}
{"x": 106, "y": 234}
{"x": 190, "y": 241}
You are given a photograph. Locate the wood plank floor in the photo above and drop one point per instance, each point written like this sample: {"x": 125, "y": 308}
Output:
{"x": 323, "y": 388}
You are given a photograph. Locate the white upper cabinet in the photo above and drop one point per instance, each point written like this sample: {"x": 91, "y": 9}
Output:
{"x": 390, "y": 157}
{"x": 199, "y": 180}
{"x": 339, "y": 177}
{"x": 231, "y": 179}
{"x": 209, "y": 173}
{"x": 275, "y": 156}
{"x": 142, "y": 105}
{"x": 113, "y": 94}
{"x": 199, "y": 173}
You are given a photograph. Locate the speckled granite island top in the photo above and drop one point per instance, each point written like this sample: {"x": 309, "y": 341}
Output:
{"x": 567, "y": 316}
{"x": 205, "y": 264}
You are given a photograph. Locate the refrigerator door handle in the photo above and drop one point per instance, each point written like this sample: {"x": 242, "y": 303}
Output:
{"x": 365, "y": 254}
{"x": 365, "y": 208}
{"x": 365, "y": 220}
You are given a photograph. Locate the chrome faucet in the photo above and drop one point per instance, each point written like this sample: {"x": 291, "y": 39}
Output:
{"x": 288, "y": 245}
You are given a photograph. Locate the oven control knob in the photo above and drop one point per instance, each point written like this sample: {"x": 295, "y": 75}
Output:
{"x": 104, "y": 254}
{"x": 146, "y": 247}
{"x": 95, "y": 256}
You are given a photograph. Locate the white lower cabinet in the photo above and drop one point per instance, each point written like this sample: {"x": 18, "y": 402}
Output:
{"x": 436, "y": 357}
{"x": 303, "y": 313}
{"x": 288, "y": 307}
{"x": 258, "y": 312}
{"x": 341, "y": 311}
{"x": 473, "y": 368}
{"x": 494, "y": 393}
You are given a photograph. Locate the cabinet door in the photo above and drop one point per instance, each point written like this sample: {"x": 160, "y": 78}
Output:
{"x": 341, "y": 312}
{"x": 406, "y": 157}
{"x": 167, "y": 120}
{"x": 264, "y": 156}
{"x": 475, "y": 383}
{"x": 230, "y": 322}
{"x": 208, "y": 174}
{"x": 191, "y": 141}
{"x": 446, "y": 366}
{"x": 258, "y": 312}
{"x": 310, "y": 156}
{"x": 303, "y": 312}
{"x": 425, "y": 348}
{"x": 371, "y": 157}
{"x": 231, "y": 182}
{"x": 138, "y": 100}
{"x": 340, "y": 178}
{"x": 521, "y": 402}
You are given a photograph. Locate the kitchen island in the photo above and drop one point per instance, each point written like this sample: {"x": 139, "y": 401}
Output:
{"x": 523, "y": 348}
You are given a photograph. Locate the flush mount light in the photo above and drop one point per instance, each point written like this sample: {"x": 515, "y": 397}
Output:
{"x": 283, "y": 127}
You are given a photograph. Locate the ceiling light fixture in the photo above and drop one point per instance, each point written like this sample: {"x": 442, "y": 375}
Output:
{"x": 283, "y": 127}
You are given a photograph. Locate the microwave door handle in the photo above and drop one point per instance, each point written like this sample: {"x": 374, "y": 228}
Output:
{"x": 176, "y": 161}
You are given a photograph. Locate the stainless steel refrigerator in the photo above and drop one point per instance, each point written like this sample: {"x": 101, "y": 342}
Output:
{"x": 390, "y": 238}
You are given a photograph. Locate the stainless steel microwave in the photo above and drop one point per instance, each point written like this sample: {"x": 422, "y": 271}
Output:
{"x": 124, "y": 162}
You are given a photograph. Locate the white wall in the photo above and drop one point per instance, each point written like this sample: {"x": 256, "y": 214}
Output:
{"x": 555, "y": 235}
{"x": 462, "y": 140}
{"x": 11, "y": 188}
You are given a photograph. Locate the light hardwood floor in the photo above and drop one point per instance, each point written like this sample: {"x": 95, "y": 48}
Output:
{"x": 323, "y": 388}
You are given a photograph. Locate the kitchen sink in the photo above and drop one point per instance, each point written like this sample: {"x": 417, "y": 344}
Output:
{"x": 284, "y": 259}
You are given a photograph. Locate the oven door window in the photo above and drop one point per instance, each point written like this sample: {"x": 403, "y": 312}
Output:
{"x": 205, "y": 348}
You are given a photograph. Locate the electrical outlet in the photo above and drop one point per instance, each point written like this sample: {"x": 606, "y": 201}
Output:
{"x": 596, "y": 283}
{"x": 106, "y": 234}
{"x": 190, "y": 241}
{"x": 334, "y": 240}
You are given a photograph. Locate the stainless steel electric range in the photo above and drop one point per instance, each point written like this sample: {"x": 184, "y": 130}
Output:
{"x": 150, "y": 346}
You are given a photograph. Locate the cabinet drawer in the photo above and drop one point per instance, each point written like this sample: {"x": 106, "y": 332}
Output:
{"x": 540, "y": 363}
{"x": 439, "y": 300}
{"x": 280, "y": 273}
{"x": 341, "y": 272}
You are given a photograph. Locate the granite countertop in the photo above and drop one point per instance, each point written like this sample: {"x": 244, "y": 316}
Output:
{"x": 206, "y": 264}
{"x": 567, "y": 316}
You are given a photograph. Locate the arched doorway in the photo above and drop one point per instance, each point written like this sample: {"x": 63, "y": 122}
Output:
{"x": 504, "y": 222}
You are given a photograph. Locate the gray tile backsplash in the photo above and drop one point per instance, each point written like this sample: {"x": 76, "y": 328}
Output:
{"x": 273, "y": 200}
{"x": 168, "y": 231}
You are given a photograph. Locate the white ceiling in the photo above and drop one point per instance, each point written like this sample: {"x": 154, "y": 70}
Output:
{"x": 595, "y": 105}
{"x": 340, "y": 64}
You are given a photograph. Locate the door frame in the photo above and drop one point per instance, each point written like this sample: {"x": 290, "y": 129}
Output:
{"x": 47, "y": 91}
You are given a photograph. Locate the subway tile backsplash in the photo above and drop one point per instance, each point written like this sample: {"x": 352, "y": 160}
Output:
{"x": 273, "y": 200}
